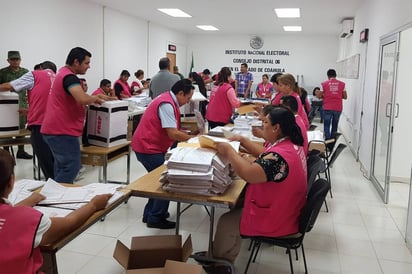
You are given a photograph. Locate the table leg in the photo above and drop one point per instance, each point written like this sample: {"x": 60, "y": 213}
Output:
{"x": 177, "y": 217}
{"x": 105, "y": 160}
{"x": 211, "y": 230}
{"x": 128, "y": 167}
{"x": 49, "y": 263}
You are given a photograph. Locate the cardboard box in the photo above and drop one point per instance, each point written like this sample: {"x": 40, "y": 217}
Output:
{"x": 9, "y": 113}
{"x": 152, "y": 251}
{"x": 171, "y": 267}
{"x": 107, "y": 124}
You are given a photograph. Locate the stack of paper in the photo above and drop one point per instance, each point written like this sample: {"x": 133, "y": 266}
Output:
{"x": 196, "y": 170}
{"x": 61, "y": 200}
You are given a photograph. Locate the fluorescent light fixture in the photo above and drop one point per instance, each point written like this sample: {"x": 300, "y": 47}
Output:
{"x": 175, "y": 12}
{"x": 292, "y": 28}
{"x": 288, "y": 13}
{"x": 207, "y": 27}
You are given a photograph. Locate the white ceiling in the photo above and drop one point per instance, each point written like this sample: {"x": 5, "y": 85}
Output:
{"x": 253, "y": 17}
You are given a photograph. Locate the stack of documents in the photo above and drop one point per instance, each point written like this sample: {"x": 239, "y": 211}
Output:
{"x": 61, "y": 200}
{"x": 196, "y": 170}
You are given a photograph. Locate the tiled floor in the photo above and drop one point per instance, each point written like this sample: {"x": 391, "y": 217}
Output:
{"x": 360, "y": 234}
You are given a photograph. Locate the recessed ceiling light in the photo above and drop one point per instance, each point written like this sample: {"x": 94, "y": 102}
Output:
{"x": 207, "y": 27}
{"x": 288, "y": 13}
{"x": 292, "y": 28}
{"x": 175, "y": 12}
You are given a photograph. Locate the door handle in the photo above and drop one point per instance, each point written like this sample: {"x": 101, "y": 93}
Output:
{"x": 390, "y": 106}
{"x": 397, "y": 110}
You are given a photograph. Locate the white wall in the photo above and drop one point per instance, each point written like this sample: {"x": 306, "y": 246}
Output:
{"x": 310, "y": 56}
{"x": 124, "y": 44}
{"x": 159, "y": 38}
{"x": 381, "y": 17}
{"x": 47, "y": 30}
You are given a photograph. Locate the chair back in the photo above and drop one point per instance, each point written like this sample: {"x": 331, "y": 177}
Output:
{"x": 336, "y": 153}
{"x": 315, "y": 166}
{"x": 314, "y": 201}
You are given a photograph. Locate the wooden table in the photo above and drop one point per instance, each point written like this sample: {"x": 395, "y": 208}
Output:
{"x": 21, "y": 138}
{"x": 49, "y": 251}
{"x": 102, "y": 156}
{"x": 149, "y": 186}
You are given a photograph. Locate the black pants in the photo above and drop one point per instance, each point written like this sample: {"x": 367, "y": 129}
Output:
{"x": 42, "y": 151}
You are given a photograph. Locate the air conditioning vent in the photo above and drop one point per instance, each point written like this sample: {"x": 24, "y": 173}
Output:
{"x": 347, "y": 28}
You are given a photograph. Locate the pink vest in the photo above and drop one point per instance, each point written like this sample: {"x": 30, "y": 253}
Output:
{"x": 18, "y": 226}
{"x": 301, "y": 124}
{"x": 276, "y": 100}
{"x": 38, "y": 96}
{"x": 273, "y": 209}
{"x": 150, "y": 137}
{"x": 219, "y": 108}
{"x": 263, "y": 90}
{"x": 64, "y": 115}
{"x": 301, "y": 108}
{"x": 98, "y": 91}
{"x": 135, "y": 84}
{"x": 125, "y": 87}
{"x": 332, "y": 94}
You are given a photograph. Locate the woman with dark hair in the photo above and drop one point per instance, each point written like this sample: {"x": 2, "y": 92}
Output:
{"x": 198, "y": 80}
{"x": 276, "y": 190}
{"x": 23, "y": 228}
{"x": 121, "y": 86}
{"x": 222, "y": 101}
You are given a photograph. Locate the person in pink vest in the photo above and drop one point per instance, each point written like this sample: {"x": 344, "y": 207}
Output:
{"x": 291, "y": 103}
{"x": 157, "y": 131}
{"x": 65, "y": 113}
{"x": 23, "y": 229}
{"x": 137, "y": 86}
{"x": 287, "y": 86}
{"x": 333, "y": 93}
{"x": 121, "y": 86}
{"x": 105, "y": 88}
{"x": 264, "y": 89}
{"x": 276, "y": 190}
{"x": 223, "y": 101}
{"x": 38, "y": 84}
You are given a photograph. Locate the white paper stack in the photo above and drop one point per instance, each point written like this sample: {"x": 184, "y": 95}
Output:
{"x": 197, "y": 171}
{"x": 107, "y": 124}
{"x": 9, "y": 113}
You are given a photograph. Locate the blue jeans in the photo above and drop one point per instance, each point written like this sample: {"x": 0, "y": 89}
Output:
{"x": 66, "y": 153}
{"x": 330, "y": 117}
{"x": 155, "y": 209}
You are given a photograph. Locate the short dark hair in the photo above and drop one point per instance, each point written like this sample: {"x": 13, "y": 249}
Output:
{"x": 184, "y": 85}
{"x": 274, "y": 78}
{"x": 105, "y": 82}
{"x": 243, "y": 64}
{"x": 48, "y": 65}
{"x": 331, "y": 73}
{"x": 77, "y": 53}
{"x": 290, "y": 102}
{"x": 125, "y": 73}
{"x": 206, "y": 72}
{"x": 164, "y": 63}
